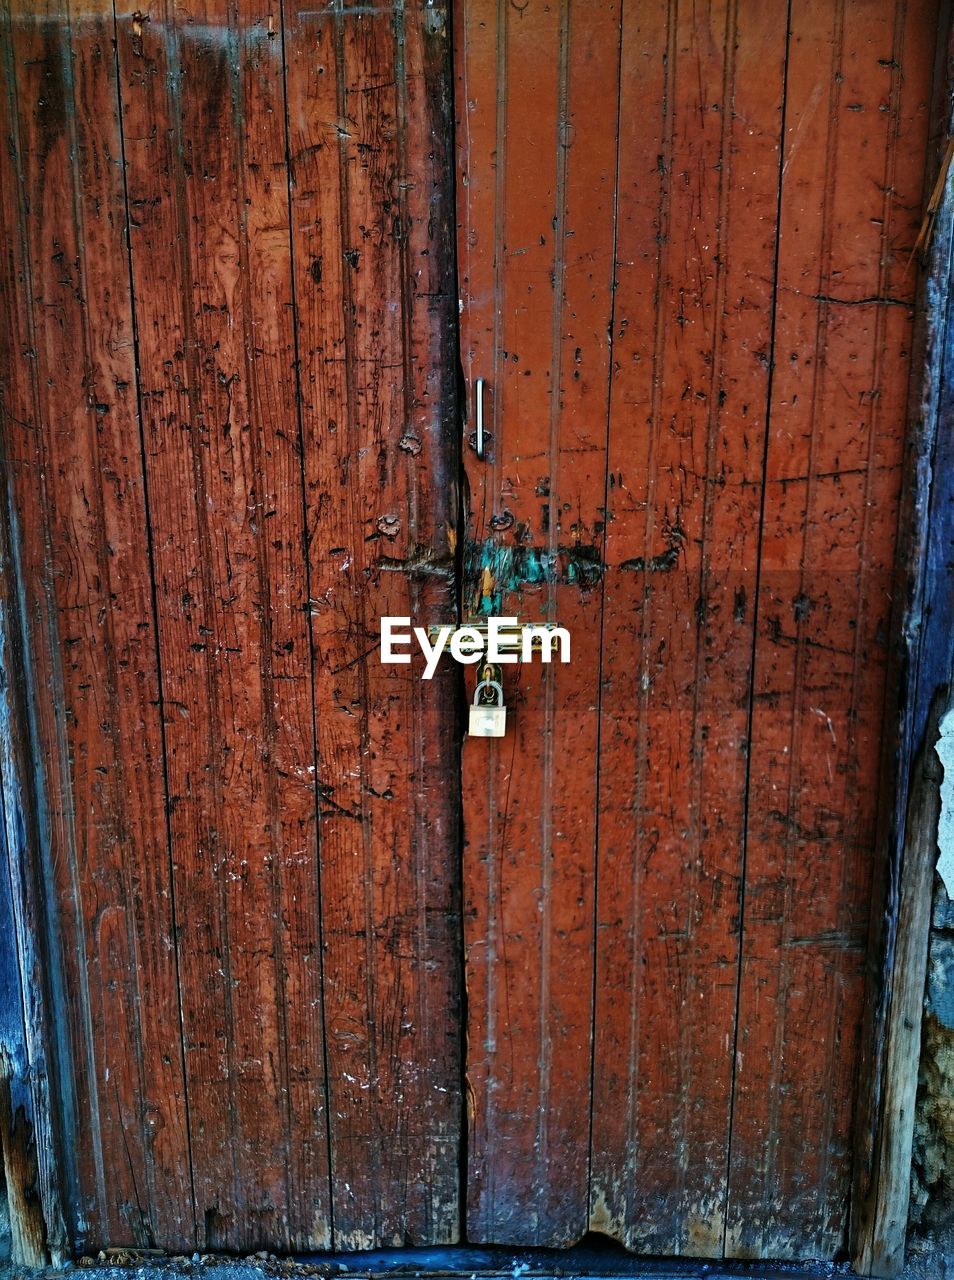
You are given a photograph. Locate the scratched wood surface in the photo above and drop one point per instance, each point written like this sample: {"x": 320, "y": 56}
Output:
{"x": 859, "y": 95}
{"x": 76, "y": 483}
{"x": 531, "y": 231}
{"x": 684, "y": 241}
{"x": 369, "y": 122}
{"x": 692, "y": 333}
{"x": 227, "y": 393}
{"x": 225, "y": 412}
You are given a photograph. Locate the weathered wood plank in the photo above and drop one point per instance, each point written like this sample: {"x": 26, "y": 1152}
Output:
{"x": 20, "y": 1174}
{"x": 883, "y": 1251}
{"x": 537, "y": 169}
{"x": 370, "y": 210}
{"x": 858, "y": 96}
{"x": 32, "y": 1015}
{"x": 72, "y": 444}
{"x": 204, "y": 127}
{"x": 698, "y": 192}
{"x": 922, "y": 656}
{"x": 37, "y": 1169}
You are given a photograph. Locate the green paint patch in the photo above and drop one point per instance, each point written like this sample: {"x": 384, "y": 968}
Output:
{"x": 495, "y": 571}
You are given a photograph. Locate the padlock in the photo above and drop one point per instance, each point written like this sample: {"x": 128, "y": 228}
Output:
{"x": 488, "y": 720}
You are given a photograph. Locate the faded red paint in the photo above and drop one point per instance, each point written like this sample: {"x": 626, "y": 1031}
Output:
{"x": 253, "y": 823}
{"x": 228, "y": 411}
{"x": 707, "y": 398}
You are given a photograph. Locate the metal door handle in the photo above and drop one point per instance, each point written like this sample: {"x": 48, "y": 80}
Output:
{"x": 479, "y": 410}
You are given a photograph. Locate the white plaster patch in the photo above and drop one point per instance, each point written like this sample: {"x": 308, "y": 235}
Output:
{"x": 945, "y": 827}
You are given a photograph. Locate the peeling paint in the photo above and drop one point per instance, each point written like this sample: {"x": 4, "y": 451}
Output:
{"x": 602, "y": 1218}
{"x": 497, "y": 570}
{"x": 945, "y": 833}
{"x": 665, "y": 560}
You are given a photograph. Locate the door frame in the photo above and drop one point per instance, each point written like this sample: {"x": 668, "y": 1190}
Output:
{"x": 33, "y": 1046}
{"x": 34, "y": 1060}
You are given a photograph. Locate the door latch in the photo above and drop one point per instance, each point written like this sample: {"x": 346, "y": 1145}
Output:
{"x": 479, "y": 415}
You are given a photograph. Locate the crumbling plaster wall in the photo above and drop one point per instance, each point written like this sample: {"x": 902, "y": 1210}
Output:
{"x": 932, "y": 1190}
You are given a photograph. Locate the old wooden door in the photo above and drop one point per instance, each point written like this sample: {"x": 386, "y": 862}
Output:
{"x": 685, "y": 237}
{"x": 228, "y": 411}
{"x": 230, "y": 435}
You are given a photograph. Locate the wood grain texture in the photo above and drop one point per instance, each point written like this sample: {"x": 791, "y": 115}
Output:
{"x": 639, "y": 1171}
{"x": 182, "y": 495}
{"x": 923, "y": 661}
{"x": 757, "y": 371}
{"x": 29, "y": 997}
{"x": 883, "y": 1251}
{"x": 537, "y": 166}
{"x": 368, "y": 103}
{"x": 202, "y": 115}
{"x": 33, "y": 1019}
{"x": 20, "y": 1176}
{"x": 228, "y": 391}
{"x": 75, "y": 474}
{"x": 859, "y": 86}
{"x": 687, "y": 435}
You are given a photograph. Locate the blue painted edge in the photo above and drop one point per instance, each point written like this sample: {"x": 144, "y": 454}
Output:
{"x": 934, "y": 667}
{"x": 29, "y": 1013}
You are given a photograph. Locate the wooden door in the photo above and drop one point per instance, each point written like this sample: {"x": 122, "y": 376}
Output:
{"x": 230, "y": 445}
{"x": 227, "y": 388}
{"x": 684, "y": 242}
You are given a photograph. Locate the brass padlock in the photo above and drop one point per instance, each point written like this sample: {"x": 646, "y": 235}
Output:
{"x": 488, "y": 719}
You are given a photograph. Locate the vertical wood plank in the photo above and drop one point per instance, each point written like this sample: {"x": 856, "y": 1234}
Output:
{"x": 698, "y": 190}
{"x": 203, "y": 115}
{"x": 30, "y": 977}
{"x": 368, "y": 123}
{"x": 537, "y": 167}
{"x": 859, "y": 98}
{"x": 30, "y": 824}
{"x": 72, "y": 443}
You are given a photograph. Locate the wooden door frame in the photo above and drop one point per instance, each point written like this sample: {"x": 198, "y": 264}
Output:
{"x": 33, "y": 1057}
{"x": 921, "y": 686}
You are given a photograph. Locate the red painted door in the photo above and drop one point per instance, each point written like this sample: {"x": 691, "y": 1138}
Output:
{"x": 229, "y": 435}
{"x": 227, "y": 407}
{"x": 684, "y": 235}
